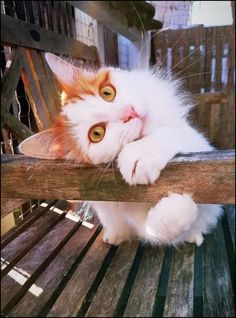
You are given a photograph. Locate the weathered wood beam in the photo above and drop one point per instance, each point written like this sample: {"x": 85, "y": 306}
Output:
{"x": 209, "y": 176}
{"x": 211, "y": 98}
{"x": 17, "y": 32}
{"x": 11, "y": 78}
{"x": 8, "y": 205}
{"x": 11, "y": 123}
{"x": 110, "y": 18}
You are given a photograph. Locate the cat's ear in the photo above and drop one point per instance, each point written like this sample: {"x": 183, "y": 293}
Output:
{"x": 43, "y": 145}
{"x": 65, "y": 72}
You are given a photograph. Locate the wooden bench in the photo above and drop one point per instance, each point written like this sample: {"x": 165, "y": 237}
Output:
{"x": 53, "y": 264}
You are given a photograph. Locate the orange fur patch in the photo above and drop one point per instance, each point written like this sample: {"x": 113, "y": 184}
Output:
{"x": 64, "y": 143}
{"x": 84, "y": 85}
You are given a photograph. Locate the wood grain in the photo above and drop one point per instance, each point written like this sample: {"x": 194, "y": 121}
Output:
{"x": 55, "y": 272}
{"x": 179, "y": 298}
{"x": 107, "y": 296}
{"x": 17, "y": 128}
{"x": 10, "y": 79}
{"x": 17, "y": 32}
{"x": 8, "y": 205}
{"x": 143, "y": 293}
{"x": 73, "y": 295}
{"x": 209, "y": 176}
{"x": 217, "y": 287}
{"x": 33, "y": 263}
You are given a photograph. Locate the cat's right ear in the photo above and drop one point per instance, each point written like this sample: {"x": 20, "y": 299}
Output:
{"x": 43, "y": 145}
{"x": 65, "y": 72}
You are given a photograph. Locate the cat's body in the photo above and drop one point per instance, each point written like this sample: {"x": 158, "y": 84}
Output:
{"x": 140, "y": 118}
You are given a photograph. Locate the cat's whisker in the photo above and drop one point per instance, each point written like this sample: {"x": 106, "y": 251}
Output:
{"x": 202, "y": 57}
{"x": 190, "y": 54}
{"x": 144, "y": 45}
{"x": 142, "y": 25}
{"x": 104, "y": 170}
{"x": 173, "y": 46}
{"x": 114, "y": 177}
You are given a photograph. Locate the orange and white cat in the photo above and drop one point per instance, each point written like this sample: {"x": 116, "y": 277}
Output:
{"x": 138, "y": 118}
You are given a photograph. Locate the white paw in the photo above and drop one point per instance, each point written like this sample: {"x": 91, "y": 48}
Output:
{"x": 171, "y": 217}
{"x": 138, "y": 166}
{"x": 195, "y": 238}
{"x": 114, "y": 238}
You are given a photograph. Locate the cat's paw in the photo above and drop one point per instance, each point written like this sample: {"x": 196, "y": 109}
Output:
{"x": 114, "y": 238}
{"x": 171, "y": 218}
{"x": 138, "y": 166}
{"x": 195, "y": 238}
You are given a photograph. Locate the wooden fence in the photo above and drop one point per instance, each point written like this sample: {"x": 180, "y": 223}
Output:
{"x": 203, "y": 57}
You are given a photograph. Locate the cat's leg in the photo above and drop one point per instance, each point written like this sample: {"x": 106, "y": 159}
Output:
{"x": 169, "y": 220}
{"x": 115, "y": 227}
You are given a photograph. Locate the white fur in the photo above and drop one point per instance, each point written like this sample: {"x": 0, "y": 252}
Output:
{"x": 143, "y": 147}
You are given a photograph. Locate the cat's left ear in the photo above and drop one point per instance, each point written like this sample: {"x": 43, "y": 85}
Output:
{"x": 65, "y": 72}
{"x": 43, "y": 145}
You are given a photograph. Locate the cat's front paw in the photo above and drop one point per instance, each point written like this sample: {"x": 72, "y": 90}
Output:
{"x": 113, "y": 238}
{"x": 138, "y": 166}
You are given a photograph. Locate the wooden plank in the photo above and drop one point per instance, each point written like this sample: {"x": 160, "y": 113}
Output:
{"x": 43, "y": 87}
{"x": 215, "y": 123}
{"x": 34, "y": 263}
{"x": 27, "y": 221}
{"x": 219, "y": 46}
{"x": 51, "y": 280}
{"x": 208, "y": 57}
{"x": 17, "y": 128}
{"x": 112, "y": 19}
{"x": 106, "y": 299}
{"x": 74, "y": 294}
{"x": 179, "y": 298}
{"x": 194, "y": 69}
{"x": 10, "y": 79}
{"x": 32, "y": 79}
{"x": 17, "y": 248}
{"x": 143, "y": 294}
{"x": 230, "y": 36}
{"x": 217, "y": 289}
{"x": 193, "y": 173}
{"x": 211, "y": 98}
{"x": 8, "y": 205}
{"x": 16, "y": 32}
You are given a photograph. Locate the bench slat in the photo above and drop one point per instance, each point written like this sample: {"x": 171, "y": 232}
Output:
{"x": 179, "y": 298}
{"x": 73, "y": 296}
{"x": 33, "y": 263}
{"x": 106, "y": 299}
{"x": 143, "y": 294}
{"x": 217, "y": 287}
{"x": 51, "y": 279}
{"x": 17, "y": 248}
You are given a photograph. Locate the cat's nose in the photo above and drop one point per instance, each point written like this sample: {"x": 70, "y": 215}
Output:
{"x": 129, "y": 114}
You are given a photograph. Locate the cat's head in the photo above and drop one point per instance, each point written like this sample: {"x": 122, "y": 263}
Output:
{"x": 101, "y": 112}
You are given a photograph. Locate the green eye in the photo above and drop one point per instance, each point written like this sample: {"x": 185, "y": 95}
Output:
{"x": 108, "y": 93}
{"x": 96, "y": 133}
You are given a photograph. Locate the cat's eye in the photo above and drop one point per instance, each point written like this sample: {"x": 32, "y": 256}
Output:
{"x": 108, "y": 93}
{"x": 96, "y": 133}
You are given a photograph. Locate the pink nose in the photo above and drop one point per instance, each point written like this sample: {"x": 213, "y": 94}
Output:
{"x": 129, "y": 114}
